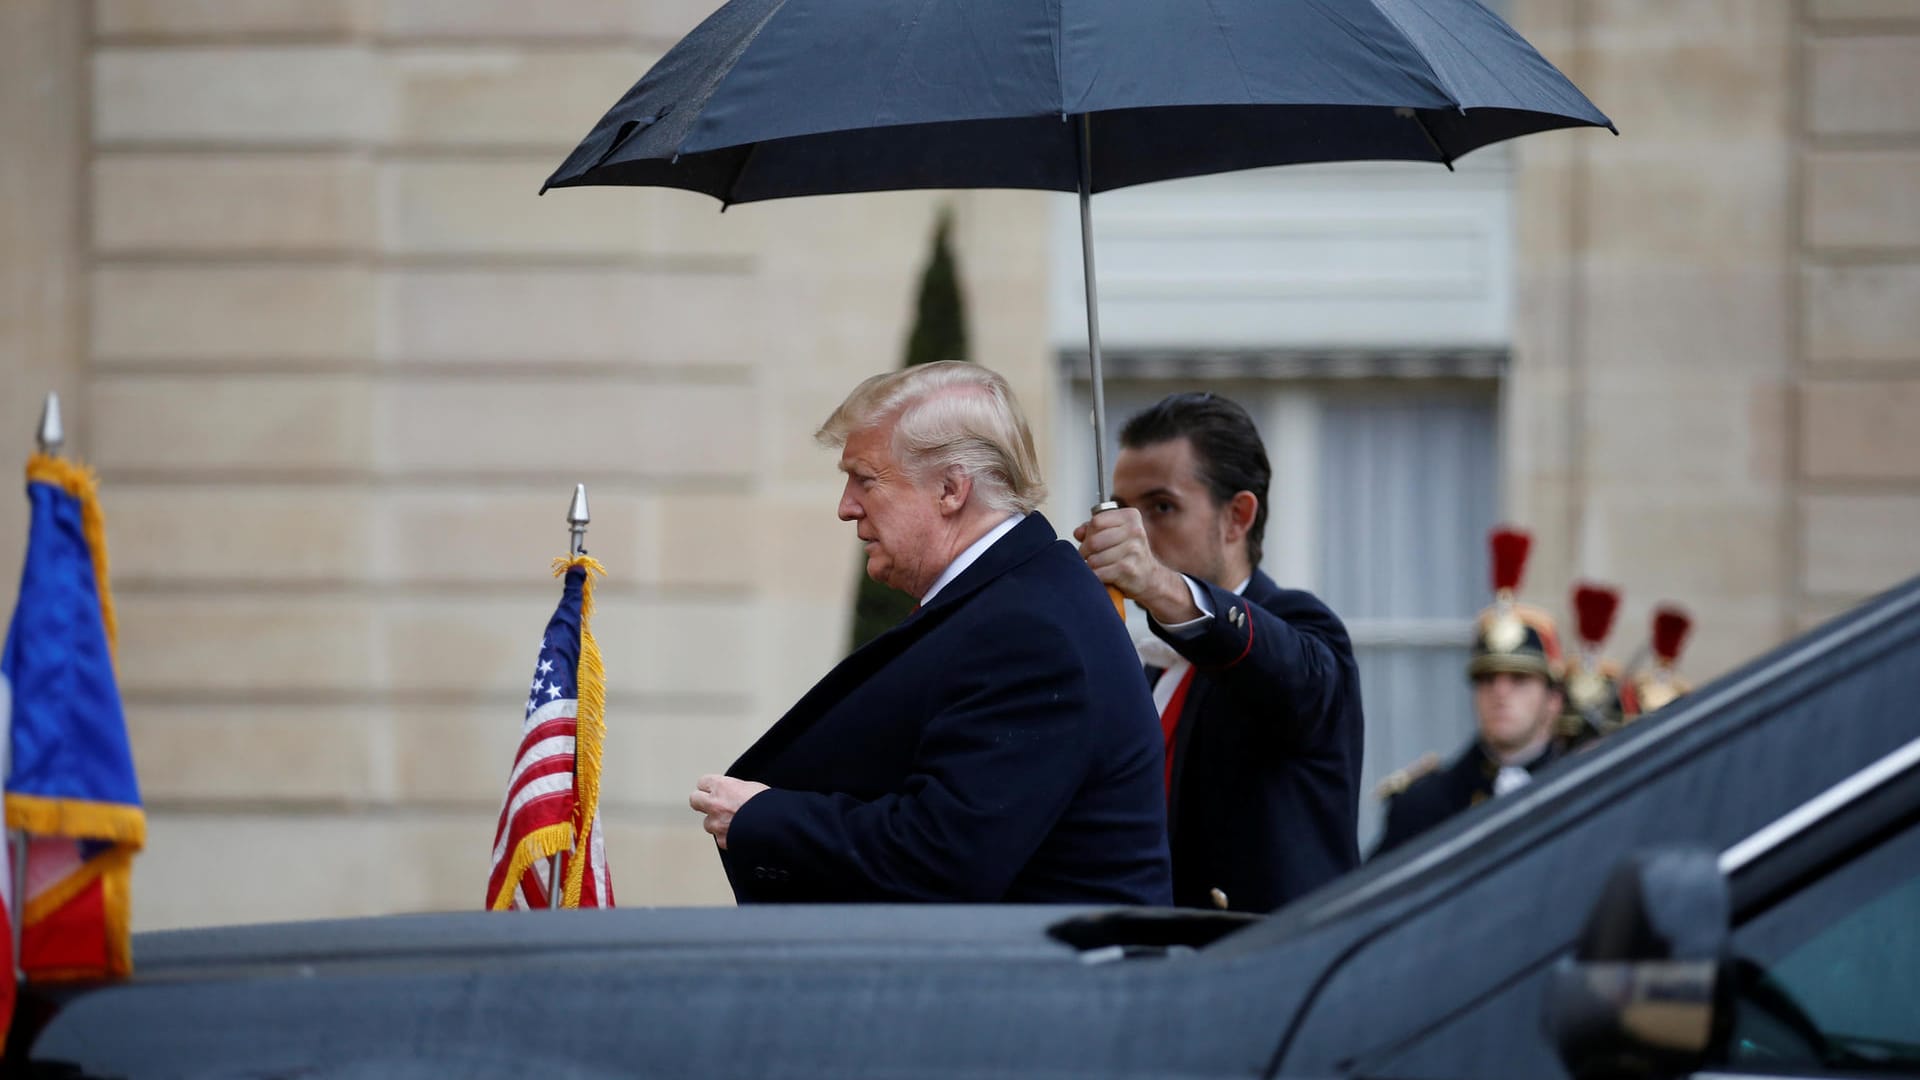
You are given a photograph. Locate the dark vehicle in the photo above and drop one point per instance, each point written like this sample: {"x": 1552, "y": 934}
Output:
{"x": 1436, "y": 962}
{"x": 1796, "y": 951}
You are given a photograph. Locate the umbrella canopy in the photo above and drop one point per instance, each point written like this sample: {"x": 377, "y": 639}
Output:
{"x": 770, "y": 99}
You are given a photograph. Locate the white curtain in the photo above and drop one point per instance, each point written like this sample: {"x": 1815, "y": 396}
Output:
{"x": 1407, "y": 491}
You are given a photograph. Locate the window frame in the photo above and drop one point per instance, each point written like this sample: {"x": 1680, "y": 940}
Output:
{"x": 1802, "y": 851}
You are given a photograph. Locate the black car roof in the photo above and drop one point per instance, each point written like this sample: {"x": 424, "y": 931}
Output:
{"x": 1443, "y": 944}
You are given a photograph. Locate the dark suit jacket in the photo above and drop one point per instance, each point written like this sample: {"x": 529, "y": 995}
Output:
{"x": 999, "y": 744}
{"x": 1266, "y": 765}
{"x": 1466, "y": 781}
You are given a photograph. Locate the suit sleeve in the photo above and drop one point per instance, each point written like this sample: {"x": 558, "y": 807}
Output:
{"x": 1293, "y": 672}
{"x": 1399, "y": 827}
{"x": 1410, "y": 813}
{"x": 997, "y": 764}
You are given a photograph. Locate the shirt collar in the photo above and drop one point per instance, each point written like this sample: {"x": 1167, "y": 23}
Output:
{"x": 970, "y": 556}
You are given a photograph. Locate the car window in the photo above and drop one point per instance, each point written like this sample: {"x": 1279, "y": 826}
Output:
{"x": 1829, "y": 977}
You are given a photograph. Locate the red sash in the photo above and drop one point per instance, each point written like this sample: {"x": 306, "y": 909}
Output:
{"x": 1170, "y": 721}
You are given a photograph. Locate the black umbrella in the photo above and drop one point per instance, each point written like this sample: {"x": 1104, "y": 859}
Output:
{"x": 768, "y": 99}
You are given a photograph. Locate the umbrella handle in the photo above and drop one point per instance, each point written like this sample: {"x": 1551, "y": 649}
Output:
{"x": 1119, "y": 599}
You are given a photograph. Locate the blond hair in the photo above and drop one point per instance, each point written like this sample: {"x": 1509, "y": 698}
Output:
{"x": 949, "y": 414}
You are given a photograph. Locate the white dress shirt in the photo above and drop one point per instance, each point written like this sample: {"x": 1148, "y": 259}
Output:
{"x": 970, "y": 556}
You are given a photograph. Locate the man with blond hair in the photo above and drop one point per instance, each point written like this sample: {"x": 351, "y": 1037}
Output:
{"x": 1000, "y": 743}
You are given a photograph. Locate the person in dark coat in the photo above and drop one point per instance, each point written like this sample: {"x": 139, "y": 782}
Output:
{"x": 1257, "y": 690}
{"x": 999, "y": 744}
{"x": 1517, "y": 671}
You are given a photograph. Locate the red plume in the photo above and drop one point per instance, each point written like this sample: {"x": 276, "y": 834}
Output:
{"x": 1670, "y": 626}
{"x": 1509, "y": 557}
{"x": 1595, "y": 606}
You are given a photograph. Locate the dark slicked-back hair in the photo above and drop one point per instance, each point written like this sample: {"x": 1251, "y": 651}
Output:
{"x": 1231, "y": 456}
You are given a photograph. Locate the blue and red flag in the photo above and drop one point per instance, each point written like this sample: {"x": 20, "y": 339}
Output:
{"x": 70, "y": 784}
{"x": 552, "y": 807}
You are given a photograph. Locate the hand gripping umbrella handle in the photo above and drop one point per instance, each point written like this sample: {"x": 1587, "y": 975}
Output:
{"x": 1119, "y": 599}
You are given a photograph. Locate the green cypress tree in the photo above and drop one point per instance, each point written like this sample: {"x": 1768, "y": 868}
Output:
{"x": 939, "y": 333}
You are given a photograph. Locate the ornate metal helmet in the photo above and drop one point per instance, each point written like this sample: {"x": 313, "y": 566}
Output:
{"x": 1658, "y": 685}
{"x": 1593, "y": 682}
{"x": 1510, "y": 636}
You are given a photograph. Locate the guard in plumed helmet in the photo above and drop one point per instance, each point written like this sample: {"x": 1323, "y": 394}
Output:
{"x": 1654, "y": 687}
{"x": 1517, "y": 702}
{"x": 1592, "y": 682}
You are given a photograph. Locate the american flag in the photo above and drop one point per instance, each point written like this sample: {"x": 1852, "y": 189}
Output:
{"x": 554, "y": 784}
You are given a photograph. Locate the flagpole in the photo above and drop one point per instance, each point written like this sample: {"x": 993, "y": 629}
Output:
{"x": 51, "y": 437}
{"x": 577, "y": 520}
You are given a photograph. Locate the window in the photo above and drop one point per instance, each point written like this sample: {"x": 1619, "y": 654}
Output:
{"x": 1830, "y": 976}
{"x": 1407, "y": 493}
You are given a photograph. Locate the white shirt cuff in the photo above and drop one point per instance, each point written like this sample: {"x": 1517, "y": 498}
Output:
{"x": 1192, "y": 627}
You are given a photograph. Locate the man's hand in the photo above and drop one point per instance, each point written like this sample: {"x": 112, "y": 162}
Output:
{"x": 719, "y": 798}
{"x": 1114, "y": 543}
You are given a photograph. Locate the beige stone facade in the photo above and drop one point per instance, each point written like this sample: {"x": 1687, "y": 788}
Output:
{"x": 1715, "y": 394}
{"x": 340, "y": 369}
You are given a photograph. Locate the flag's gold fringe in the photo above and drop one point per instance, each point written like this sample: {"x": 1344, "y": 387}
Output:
{"x": 77, "y": 818}
{"x": 116, "y": 895}
{"x": 542, "y": 843}
{"x": 590, "y": 728}
{"x": 81, "y": 483}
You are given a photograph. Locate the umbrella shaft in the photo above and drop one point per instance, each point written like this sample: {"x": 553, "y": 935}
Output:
{"x": 1100, "y": 483}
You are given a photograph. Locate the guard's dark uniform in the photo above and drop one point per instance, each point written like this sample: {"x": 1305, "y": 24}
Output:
{"x": 1430, "y": 799}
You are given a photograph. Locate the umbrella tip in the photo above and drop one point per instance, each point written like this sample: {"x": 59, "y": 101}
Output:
{"x": 51, "y": 435}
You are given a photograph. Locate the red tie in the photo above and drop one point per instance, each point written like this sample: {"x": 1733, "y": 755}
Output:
{"x": 1170, "y": 722}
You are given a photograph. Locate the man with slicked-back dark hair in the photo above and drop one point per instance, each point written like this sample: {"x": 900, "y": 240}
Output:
{"x": 1256, "y": 686}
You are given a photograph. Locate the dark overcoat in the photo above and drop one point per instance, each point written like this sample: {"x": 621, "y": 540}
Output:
{"x": 998, "y": 744}
{"x": 1265, "y": 800}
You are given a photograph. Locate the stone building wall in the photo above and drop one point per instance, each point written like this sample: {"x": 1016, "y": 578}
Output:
{"x": 1647, "y": 428}
{"x": 1857, "y": 227}
{"x": 1713, "y": 397}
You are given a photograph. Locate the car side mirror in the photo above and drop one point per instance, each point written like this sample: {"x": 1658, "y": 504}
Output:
{"x": 1640, "y": 996}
